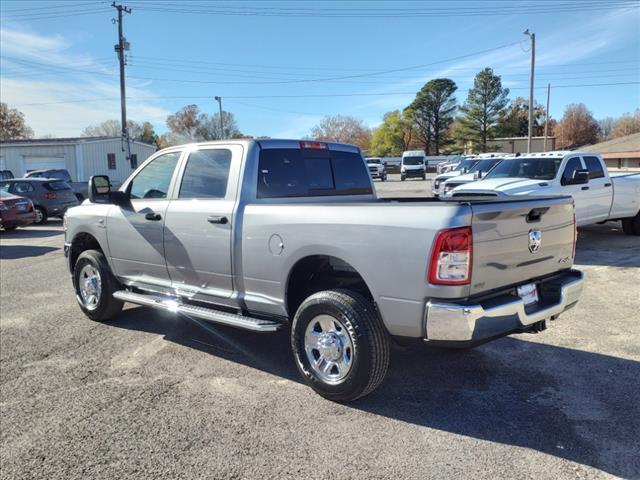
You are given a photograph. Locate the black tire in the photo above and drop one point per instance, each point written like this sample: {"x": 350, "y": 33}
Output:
{"x": 631, "y": 226}
{"x": 424, "y": 176}
{"x": 11, "y": 228}
{"x": 43, "y": 216}
{"x": 80, "y": 197}
{"x": 403, "y": 178}
{"x": 107, "y": 307}
{"x": 370, "y": 355}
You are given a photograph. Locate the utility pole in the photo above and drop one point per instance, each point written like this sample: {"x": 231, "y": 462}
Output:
{"x": 532, "y": 36}
{"x": 219, "y": 100}
{"x": 120, "y": 49}
{"x": 546, "y": 118}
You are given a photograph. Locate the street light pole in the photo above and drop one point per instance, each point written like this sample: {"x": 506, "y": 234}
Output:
{"x": 532, "y": 36}
{"x": 219, "y": 100}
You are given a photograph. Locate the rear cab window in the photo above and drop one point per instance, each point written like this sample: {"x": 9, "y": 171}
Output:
{"x": 594, "y": 165}
{"x": 292, "y": 172}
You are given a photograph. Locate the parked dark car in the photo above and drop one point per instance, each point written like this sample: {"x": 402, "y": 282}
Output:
{"x": 79, "y": 188}
{"x": 51, "y": 198}
{"x": 15, "y": 211}
{"x": 6, "y": 174}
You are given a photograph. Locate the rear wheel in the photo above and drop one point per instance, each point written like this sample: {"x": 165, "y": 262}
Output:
{"x": 95, "y": 285}
{"x": 631, "y": 226}
{"x": 339, "y": 344}
{"x": 41, "y": 215}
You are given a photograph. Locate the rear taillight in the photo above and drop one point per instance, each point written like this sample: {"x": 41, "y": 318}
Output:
{"x": 49, "y": 195}
{"x": 451, "y": 257}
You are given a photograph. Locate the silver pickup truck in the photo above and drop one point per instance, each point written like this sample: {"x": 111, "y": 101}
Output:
{"x": 270, "y": 234}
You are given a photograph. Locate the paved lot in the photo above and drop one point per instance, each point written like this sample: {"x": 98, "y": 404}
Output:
{"x": 152, "y": 396}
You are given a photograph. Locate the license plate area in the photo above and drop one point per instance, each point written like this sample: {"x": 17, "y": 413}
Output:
{"x": 528, "y": 293}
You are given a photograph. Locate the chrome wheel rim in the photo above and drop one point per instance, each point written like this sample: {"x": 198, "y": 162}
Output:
{"x": 39, "y": 215}
{"x": 329, "y": 348}
{"x": 90, "y": 286}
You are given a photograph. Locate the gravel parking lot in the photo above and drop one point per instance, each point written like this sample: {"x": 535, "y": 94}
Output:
{"x": 154, "y": 396}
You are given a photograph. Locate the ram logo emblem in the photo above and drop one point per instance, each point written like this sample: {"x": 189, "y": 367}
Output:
{"x": 535, "y": 240}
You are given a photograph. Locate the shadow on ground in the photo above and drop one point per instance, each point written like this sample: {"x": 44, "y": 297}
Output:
{"x": 572, "y": 404}
{"x": 607, "y": 245}
{"x": 13, "y": 252}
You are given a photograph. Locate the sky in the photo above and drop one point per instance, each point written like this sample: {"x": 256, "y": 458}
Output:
{"x": 281, "y": 66}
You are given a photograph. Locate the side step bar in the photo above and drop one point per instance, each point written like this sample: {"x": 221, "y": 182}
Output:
{"x": 210, "y": 314}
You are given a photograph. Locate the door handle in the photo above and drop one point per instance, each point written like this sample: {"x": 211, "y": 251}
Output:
{"x": 585, "y": 188}
{"x": 214, "y": 219}
{"x": 154, "y": 217}
{"x": 607, "y": 184}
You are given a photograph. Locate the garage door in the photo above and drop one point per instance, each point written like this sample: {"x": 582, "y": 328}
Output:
{"x": 43, "y": 163}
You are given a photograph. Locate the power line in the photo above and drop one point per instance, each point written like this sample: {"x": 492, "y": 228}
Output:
{"x": 312, "y": 95}
{"x": 50, "y": 7}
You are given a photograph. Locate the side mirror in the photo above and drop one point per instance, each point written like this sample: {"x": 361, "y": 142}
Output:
{"x": 99, "y": 188}
{"x": 580, "y": 177}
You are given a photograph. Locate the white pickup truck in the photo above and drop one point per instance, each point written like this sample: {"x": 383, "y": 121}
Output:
{"x": 599, "y": 196}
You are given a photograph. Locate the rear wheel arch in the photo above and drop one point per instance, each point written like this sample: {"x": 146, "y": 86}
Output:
{"x": 315, "y": 273}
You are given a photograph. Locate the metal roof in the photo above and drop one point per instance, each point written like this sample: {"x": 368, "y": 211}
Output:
{"x": 629, "y": 143}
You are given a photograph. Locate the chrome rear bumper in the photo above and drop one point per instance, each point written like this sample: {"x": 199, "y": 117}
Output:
{"x": 471, "y": 322}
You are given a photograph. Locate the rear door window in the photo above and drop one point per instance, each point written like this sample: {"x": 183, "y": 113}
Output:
{"x": 572, "y": 165}
{"x": 299, "y": 173}
{"x": 594, "y": 165}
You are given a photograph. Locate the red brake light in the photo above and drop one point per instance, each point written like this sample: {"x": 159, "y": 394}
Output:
{"x": 318, "y": 145}
{"x": 451, "y": 257}
{"x": 50, "y": 195}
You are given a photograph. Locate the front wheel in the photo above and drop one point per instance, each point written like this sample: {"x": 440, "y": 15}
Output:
{"x": 95, "y": 285}
{"x": 631, "y": 226}
{"x": 403, "y": 177}
{"x": 340, "y": 345}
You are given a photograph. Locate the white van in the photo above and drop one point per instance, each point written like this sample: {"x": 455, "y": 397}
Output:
{"x": 413, "y": 165}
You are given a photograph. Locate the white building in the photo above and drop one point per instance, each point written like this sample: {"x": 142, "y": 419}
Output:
{"x": 81, "y": 156}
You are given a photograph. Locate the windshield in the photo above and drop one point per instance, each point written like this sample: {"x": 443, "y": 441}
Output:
{"x": 533, "y": 168}
{"x": 373, "y": 160}
{"x": 465, "y": 164}
{"x": 484, "y": 165}
{"x": 413, "y": 160}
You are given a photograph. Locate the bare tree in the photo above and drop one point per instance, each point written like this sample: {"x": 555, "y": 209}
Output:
{"x": 577, "y": 127}
{"x": 143, "y": 132}
{"x": 189, "y": 125}
{"x": 12, "y": 124}
{"x": 626, "y": 125}
{"x": 342, "y": 129}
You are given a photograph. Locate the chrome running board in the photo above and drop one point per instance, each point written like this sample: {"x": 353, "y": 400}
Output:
{"x": 217, "y": 316}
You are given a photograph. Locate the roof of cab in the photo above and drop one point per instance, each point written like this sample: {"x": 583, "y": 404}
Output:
{"x": 268, "y": 143}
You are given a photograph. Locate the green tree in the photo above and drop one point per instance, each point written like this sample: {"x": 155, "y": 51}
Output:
{"x": 433, "y": 111}
{"x": 485, "y": 105}
{"x": 514, "y": 121}
{"x": 394, "y": 135}
{"x": 12, "y": 124}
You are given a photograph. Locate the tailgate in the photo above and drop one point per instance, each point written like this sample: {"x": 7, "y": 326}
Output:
{"x": 517, "y": 240}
